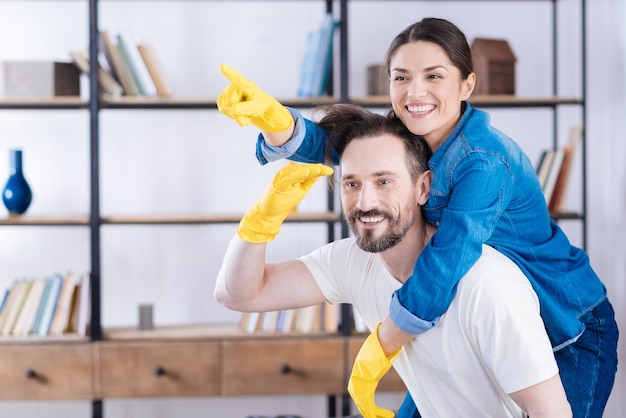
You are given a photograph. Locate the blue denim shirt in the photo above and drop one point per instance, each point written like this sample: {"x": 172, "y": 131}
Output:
{"x": 484, "y": 190}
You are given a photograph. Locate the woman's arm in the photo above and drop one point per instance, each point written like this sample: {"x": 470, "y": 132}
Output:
{"x": 467, "y": 220}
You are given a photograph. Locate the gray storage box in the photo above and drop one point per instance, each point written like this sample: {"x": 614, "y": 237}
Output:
{"x": 38, "y": 79}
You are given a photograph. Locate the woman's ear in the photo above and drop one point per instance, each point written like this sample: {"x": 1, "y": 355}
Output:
{"x": 467, "y": 86}
{"x": 423, "y": 186}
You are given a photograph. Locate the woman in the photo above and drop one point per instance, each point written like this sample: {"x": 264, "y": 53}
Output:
{"x": 484, "y": 191}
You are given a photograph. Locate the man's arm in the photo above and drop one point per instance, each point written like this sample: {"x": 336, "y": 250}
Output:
{"x": 246, "y": 283}
{"x": 544, "y": 400}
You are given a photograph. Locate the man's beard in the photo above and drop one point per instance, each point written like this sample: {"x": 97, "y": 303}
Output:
{"x": 398, "y": 228}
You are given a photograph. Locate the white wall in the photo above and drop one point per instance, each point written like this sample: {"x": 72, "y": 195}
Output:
{"x": 167, "y": 162}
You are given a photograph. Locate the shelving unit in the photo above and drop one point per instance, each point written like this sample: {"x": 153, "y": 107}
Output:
{"x": 216, "y": 341}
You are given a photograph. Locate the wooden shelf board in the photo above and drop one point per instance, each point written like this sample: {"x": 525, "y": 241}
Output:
{"x": 60, "y": 102}
{"x": 210, "y": 219}
{"x": 45, "y": 220}
{"x": 47, "y": 339}
{"x": 194, "y": 332}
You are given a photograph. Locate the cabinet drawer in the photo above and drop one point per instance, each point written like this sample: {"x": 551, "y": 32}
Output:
{"x": 58, "y": 371}
{"x": 138, "y": 369}
{"x": 391, "y": 382}
{"x": 283, "y": 366}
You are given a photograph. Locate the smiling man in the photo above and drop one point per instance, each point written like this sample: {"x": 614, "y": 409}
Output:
{"x": 489, "y": 355}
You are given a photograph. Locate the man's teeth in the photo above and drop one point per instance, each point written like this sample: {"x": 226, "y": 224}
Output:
{"x": 372, "y": 219}
{"x": 420, "y": 109}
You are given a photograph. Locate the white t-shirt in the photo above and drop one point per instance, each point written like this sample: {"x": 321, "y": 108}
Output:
{"x": 490, "y": 342}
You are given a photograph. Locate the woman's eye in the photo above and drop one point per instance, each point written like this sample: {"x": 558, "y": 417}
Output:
{"x": 399, "y": 78}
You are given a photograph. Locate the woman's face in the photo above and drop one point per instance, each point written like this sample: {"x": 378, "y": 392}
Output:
{"x": 426, "y": 90}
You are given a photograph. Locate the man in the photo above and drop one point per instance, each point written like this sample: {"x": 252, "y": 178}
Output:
{"x": 488, "y": 357}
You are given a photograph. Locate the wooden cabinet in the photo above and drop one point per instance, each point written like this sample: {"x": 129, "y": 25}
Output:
{"x": 51, "y": 371}
{"x": 149, "y": 369}
{"x": 283, "y": 366}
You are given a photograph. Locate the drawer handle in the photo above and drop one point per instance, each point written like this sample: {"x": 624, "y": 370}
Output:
{"x": 159, "y": 371}
{"x": 31, "y": 374}
{"x": 285, "y": 369}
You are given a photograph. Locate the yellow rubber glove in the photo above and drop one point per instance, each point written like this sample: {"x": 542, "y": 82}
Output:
{"x": 370, "y": 366}
{"x": 262, "y": 221}
{"x": 247, "y": 104}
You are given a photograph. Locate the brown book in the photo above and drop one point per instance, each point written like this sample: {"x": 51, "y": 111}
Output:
{"x": 112, "y": 54}
{"x": 562, "y": 181}
{"x": 61, "y": 317}
{"x": 106, "y": 82}
{"x": 155, "y": 70}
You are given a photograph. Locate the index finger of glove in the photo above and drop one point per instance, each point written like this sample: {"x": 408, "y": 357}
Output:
{"x": 299, "y": 174}
{"x": 236, "y": 78}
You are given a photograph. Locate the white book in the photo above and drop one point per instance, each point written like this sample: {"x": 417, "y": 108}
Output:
{"x": 137, "y": 65}
{"x": 553, "y": 174}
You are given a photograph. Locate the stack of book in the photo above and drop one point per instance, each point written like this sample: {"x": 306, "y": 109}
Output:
{"x": 316, "y": 64}
{"x": 46, "y": 306}
{"x": 316, "y": 318}
{"x": 125, "y": 68}
{"x": 554, "y": 170}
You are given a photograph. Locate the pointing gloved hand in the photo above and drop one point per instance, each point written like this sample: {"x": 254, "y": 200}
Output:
{"x": 243, "y": 101}
{"x": 370, "y": 366}
{"x": 262, "y": 221}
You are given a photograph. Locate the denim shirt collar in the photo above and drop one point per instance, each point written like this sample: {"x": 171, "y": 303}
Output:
{"x": 467, "y": 110}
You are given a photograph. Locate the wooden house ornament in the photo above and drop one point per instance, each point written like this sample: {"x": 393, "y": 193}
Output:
{"x": 494, "y": 64}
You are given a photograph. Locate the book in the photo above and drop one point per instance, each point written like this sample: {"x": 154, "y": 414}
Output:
{"x": 305, "y": 87}
{"x": 331, "y": 317}
{"x": 553, "y": 173}
{"x": 21, "y": 292}
{"x": 560, "y": 188}
{"x": 286, "y": 321}
{"x": 27, "y": 316}
{"x": 308, "y": 319}
{"x": 61, "y": 316}
{"x": 106, "y": 83}
{"x": 544, "y": 166}
{"x": 15, "y": 307}
{"x": 156, "y": 71}
{"x": 270, "y": 322}
{"x": 321, "y": 71}
{"x": 9, "y": 301}
{"x": 4, "y": 299}
{"x": 49, "y": 305}
{"x": 41, "y": 307}
{"x": 254, "y": 322}
{"x": 137, "y": 66}
{"x": 120, "y": 72}
{"x": 316, "y": 62}
{"x": 81, "y": 321}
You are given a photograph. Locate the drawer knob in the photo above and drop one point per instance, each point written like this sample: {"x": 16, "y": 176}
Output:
{"x": 30, "y": 374}
{"x": 159, "y": 371}
{"x": 285, "y": 369}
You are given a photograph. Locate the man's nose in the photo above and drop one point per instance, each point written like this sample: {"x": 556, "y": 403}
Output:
{"x": 368, "y": 199}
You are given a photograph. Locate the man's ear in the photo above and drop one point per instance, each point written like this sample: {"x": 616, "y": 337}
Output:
{"x": 423, "y": 186}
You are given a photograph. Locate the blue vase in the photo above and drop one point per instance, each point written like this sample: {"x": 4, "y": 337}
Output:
{"x": 16, "y": 194}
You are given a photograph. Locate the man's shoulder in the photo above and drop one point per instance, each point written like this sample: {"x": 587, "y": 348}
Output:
{"x": 495, "y": 271}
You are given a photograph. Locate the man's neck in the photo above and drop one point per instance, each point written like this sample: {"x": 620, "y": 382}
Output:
{"x": 401, "y": 258}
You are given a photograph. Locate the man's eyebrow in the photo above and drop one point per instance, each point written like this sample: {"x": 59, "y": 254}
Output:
{"x": 381, "y": 173}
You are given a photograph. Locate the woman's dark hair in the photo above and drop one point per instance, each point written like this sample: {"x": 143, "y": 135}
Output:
{"x": 441, "y": 32}
{"x": 347, "y": 122}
